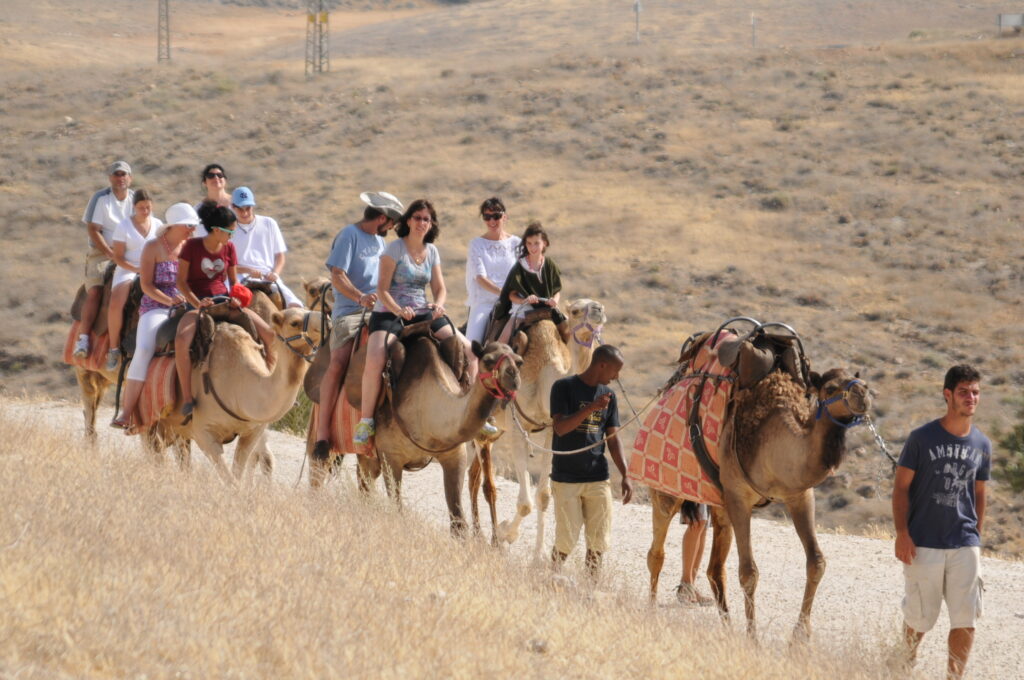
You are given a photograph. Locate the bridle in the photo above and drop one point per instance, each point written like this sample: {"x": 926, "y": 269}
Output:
{"x": 595, "y": 331}
{"x": 858, "y": 418}
{"x": 304, "y": 336}
{"x": 494, "y": 375}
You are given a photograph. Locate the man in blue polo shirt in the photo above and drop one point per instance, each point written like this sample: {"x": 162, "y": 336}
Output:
{"x": 938, "y": 506}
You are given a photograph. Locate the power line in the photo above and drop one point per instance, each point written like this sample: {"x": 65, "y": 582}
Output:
{"x": 318, "y": 58}
{"x": 163, "y": 31}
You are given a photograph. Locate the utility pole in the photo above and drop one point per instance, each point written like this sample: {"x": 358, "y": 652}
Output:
{"x": 753, "y": 31}
{"x": 318, "y": 58}
{"x": 637, "y": 9}
{"x": 163, "y": 31}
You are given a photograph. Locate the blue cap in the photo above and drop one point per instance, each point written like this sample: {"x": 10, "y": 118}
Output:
{"x": 242, "y": 197}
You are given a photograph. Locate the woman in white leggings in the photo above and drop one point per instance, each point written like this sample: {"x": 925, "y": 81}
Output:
{"x": 158, "y": 272}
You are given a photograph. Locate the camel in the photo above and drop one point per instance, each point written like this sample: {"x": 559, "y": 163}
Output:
{"x": 429, "y": 416}
{"x": 244, "y": 395}
{"x": 546, "y": 359}
{"x": 778, "y": 443}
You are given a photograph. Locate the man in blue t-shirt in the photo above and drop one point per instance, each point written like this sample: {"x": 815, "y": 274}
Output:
{"x": 585, "y": 415}
{"x": 938, "y": 506}
{"x": 353, "y": 263}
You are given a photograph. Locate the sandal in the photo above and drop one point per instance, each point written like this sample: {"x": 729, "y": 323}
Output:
{"x": 120, "y": 423}
{"x": 186, "y": 412}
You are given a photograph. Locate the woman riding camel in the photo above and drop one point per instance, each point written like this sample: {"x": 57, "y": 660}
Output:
{"x": 214, "y": 180}
{"x": 407, "y": 267}
{"x": 490, "y": 258}
{"x": 206, "y": 271}
{"x": 158, "y": 276}
{"x": 534, "y": 281}
{"x": 130, "y": 236}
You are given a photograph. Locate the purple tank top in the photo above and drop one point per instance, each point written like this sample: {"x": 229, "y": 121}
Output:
{"x": 165, "y": 278}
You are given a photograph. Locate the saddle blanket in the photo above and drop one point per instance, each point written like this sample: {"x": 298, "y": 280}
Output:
{"x": 98, "y": 346}
{"x": 343, "y": 426}
{"x": 159, "y": 392}
{"x": 663, "y": 457}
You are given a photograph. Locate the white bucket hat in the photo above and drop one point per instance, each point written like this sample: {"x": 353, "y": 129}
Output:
{"x": 385, "y": 202}
{"x": 179, "y": 213}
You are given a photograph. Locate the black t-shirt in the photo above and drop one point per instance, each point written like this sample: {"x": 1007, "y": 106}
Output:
{"x": 568, "y": 396}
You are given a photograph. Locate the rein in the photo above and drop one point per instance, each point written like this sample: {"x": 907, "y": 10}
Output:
{"x": 304, "y": 336}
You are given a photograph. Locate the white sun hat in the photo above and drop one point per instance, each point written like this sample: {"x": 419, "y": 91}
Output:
{"x": 385, "y": 202}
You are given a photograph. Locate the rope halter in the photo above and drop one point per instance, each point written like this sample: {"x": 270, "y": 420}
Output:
{"x": 303, "y": 335}
{"x": 595, "y": 331}
{"x": 843, "y": 396}
{"x": 494, "y": 375}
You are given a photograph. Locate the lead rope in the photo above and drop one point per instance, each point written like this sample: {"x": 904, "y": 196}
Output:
{"x": 884, "y": 448}
{"x": 526, "y": 436}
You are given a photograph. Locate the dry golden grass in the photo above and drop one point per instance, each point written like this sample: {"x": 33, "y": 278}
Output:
{"x": 113, "y": 567}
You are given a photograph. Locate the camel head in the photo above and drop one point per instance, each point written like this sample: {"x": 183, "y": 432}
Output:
{"x": 499, "y": 369}
{"x": 314, "y": 290}
{"x": 300, "y": 330}
{"x": 841, "y": 397}
{"x": 586, "y": 319}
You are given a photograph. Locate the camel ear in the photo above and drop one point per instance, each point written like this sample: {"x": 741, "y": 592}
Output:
{"x": 277, "y": 317}
{"x": 816, "y": 380}
{"x": 478, "y": 350}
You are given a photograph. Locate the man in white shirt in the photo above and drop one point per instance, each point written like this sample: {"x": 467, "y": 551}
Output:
{"x": 107, "y": 208}
{"x": 259, "y": 244}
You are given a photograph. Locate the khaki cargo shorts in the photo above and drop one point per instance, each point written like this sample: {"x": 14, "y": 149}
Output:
{"x": 344, "y": 328}
{"x": 935, "y": 575}
{"x": 584, "y": 505}
{"x": 95, "y": 267}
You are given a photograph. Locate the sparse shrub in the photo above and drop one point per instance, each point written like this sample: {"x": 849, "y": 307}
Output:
{"x": 297, "y": 418}
{"x": 777, "y": 202}
{"x": 1009, "y": 468}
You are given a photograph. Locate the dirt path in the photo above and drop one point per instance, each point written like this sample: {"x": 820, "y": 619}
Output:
{"x": 858, "y": 601}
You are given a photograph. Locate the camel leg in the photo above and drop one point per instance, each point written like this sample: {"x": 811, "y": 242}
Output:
{"x": 92, "y": 386}
{"x": 368, "y": 470}
{"x": 392, "y": 480}
{"x": 739, "y": 515}
{"x": 264, "y": 456}
{"x": 183, "y": 452}
{"x": 252, "y": 449}
{"x": 214, "y": 450}
{"x": 508, "y": 531}
{"x": 490, "y": 491}
{"x": 543, "y": 500}
{"x": 721, "y": 542}
{"x": 475, "y": 478}
{"x": 801, "y": 509}
{"x": 454, "y": 467}
{"x": 663, "y": 509}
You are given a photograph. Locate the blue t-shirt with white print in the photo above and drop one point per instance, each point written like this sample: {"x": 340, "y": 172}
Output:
{"x": 943, "y": 513}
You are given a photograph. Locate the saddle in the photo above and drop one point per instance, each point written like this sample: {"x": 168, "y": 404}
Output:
{"x": 449, "y": 349}
{"x": 753, "y": 356}
{"x": 518, "y": 339}
{"x": 206, "y": 327}
{"x": 268, "y": 288}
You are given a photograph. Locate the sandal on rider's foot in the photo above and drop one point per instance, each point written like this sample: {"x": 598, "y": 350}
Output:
{"x": 120, "y": 423}
{"x": 186, "y": 412}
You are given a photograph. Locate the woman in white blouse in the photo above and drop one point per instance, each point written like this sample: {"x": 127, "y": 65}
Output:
{"x": 488, "y": 262}
{"x": 129, "y": 238}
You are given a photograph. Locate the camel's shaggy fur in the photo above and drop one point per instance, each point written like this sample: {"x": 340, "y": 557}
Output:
{"x": 777, "y": 392}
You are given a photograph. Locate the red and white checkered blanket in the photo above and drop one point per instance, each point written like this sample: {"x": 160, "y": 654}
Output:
{"x": 663, "y": 457}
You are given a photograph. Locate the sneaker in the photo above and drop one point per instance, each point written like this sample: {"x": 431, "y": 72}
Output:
{"x": 113, "y": 357}
{"x": 364, "y": 430}
{"x": 81, "y": 347}
{"x": 687, "y": 594}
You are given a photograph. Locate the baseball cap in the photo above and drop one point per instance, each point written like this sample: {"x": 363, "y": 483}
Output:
{"x": 242, "y": 197}
{"x": 119, "y": 166}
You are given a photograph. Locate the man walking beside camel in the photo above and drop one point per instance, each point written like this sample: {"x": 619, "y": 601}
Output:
{"x": 938, "y": 506}
{"x": 583, "y": 413}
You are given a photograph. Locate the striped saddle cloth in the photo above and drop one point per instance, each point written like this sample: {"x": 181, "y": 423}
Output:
{"x": 98, "y": 346}
{"x": 343, "y": 426}
{"x": 664, "y": 457}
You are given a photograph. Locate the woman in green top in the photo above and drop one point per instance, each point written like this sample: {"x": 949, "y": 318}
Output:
{"x": 534, "y": 282}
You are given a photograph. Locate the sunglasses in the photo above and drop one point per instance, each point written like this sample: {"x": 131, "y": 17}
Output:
{"x": 226, "y": 231}
{"x": 212, "y": 175}
{"x": 417, "y": 218}
{"x": 492, "y": 216}
{"x": 120, "y": 173}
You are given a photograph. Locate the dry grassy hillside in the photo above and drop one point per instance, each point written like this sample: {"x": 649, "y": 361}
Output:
{"x": 163, "y": 575}
{"x": 869, "y": 194}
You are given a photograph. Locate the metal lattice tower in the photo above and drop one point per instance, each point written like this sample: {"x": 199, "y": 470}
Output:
{"x": 318, "y": 58}
{"x": 163, "y": 31}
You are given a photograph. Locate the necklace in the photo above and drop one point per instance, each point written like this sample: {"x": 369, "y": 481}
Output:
{"x": 167, "y": 246}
